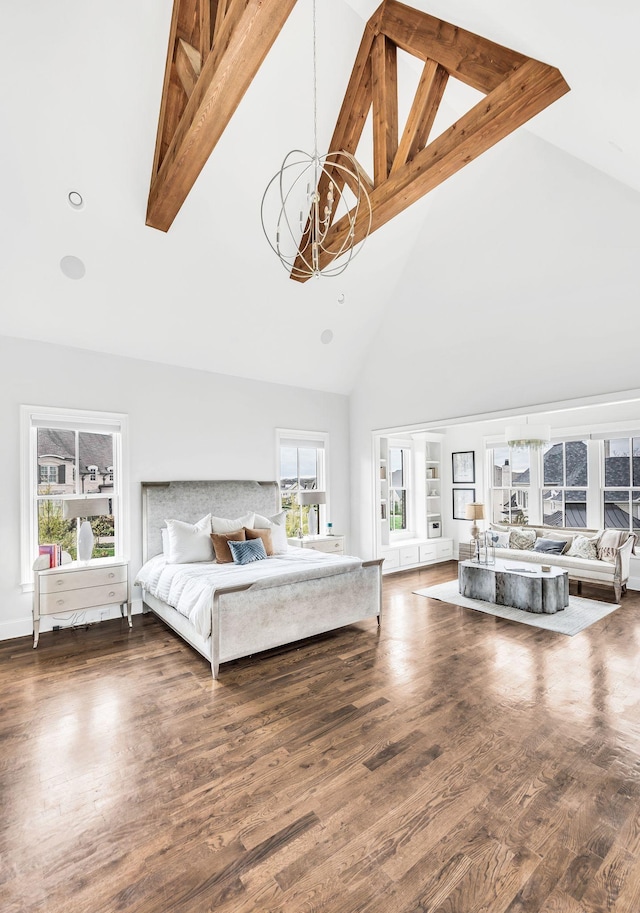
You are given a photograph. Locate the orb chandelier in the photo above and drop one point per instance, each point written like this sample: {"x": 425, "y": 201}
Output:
{"x": 308, "y": 197}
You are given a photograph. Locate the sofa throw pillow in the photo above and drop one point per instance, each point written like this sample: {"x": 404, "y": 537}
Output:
{"x": 264, "y": 534}
{"x": 499, "y": 538}
{"x": 247, "y": 552}
{"x": 189, "y": 542}
{"x": 522, "y": 538}
{"x": 563, "y": 536}
{"x": 278, "y": 526}
{"x": 609, "y": 541}
{"x": 222, "y": 525}
{"x": 550, "y": 546}
{"x": 583, "y": 547}
{"x": 221, "y": 544}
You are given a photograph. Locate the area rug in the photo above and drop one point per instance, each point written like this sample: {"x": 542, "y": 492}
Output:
{"x": 579, "y": 614}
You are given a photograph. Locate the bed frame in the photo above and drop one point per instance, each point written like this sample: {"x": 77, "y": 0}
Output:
{"x": 247, "y": 620}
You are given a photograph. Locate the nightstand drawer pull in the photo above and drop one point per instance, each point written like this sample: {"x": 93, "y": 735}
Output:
{"x": 112, "y": 575}
{"x": 112, "y": 593}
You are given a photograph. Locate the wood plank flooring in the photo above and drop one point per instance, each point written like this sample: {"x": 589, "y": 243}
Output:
{"x": 451, "y": 762}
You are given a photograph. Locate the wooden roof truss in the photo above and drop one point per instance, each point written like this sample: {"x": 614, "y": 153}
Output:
{"x": 406, "y": 165}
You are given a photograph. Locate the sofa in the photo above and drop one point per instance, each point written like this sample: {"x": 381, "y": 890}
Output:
{"x": 589, "y": 555}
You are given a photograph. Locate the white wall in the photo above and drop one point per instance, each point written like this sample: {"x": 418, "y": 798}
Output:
{"x": 183, "y": 424}
{"x": 543, "y": 306}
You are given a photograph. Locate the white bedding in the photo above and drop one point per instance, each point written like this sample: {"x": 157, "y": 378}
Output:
{"x": 190, "y": 588}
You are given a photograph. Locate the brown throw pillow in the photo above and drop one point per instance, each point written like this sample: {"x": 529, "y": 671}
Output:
{"x": 221, "y": 546}
{"x": 264, "y": 534}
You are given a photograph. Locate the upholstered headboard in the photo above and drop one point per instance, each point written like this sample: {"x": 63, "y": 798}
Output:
{"x": 190, "y": 501}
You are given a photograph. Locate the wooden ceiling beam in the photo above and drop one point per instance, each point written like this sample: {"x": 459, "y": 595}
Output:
{"x": 246, "y": 34}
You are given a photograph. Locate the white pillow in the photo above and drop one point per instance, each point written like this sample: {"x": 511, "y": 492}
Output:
{"x": 189, "y": 542}
{"x": 165, "y": 541}
{"x": 221, "y": 526}
{"x": 499, "y": 539}
{"x": 278, "y": 526}
{"x": 583, "y": 547}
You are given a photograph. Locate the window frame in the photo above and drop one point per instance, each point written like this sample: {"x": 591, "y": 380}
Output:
{"x": 628, "y": 489}
{"x": 318, "y": 440}
{"x": 32, "y": 417}
{"x": 407, "y": 459}
{"x": 564, "y": 488}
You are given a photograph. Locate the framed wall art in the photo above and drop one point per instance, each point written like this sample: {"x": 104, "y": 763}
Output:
{"x": 462, "y": 497}
{"x": 464, "y": 466}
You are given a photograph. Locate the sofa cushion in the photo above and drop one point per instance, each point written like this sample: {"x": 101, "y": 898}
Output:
{"x": 583, "y": 547}
{"x": 499, "y": 538}
{"x": 550, "y": 546}
{"x": 593, "y": 570}
{"x": 522, "y": 538}
{"x": 560, "y": 536}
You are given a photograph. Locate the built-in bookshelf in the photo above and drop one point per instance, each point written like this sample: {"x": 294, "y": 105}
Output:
{"x": 433, "y": 491}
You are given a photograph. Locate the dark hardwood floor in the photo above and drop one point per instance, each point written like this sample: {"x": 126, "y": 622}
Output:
{"x": 451, "y": 762}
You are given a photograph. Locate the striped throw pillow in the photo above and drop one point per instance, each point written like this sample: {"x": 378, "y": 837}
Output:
{"x": 246, "y": 552}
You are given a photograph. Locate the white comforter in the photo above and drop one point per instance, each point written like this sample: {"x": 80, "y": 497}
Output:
{"x": 190, "y": 588}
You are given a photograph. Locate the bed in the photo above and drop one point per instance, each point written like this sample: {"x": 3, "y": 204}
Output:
{"x": 239, "y": 611}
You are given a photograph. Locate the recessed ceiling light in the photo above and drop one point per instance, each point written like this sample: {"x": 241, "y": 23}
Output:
{"x": 75, "y": 200}
{"x": 72, "y": 267}
{"x": 326, "y": 336}
{"x": 341, "y": 299}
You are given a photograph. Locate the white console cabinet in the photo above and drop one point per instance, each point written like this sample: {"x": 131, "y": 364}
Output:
{"x": 416, "y": 553}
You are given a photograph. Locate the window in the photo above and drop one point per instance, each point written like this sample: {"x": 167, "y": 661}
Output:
{"x": 565, "y": 479}
{"x": 69, "y": 455}
{"x": 302, "y": 468}
{"x": 399, "y": 485}
{"x": 510, "y": 483}
{"x": 621, "y": 493}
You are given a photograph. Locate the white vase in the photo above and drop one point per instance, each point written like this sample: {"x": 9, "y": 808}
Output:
{"x": 85, "y": 541}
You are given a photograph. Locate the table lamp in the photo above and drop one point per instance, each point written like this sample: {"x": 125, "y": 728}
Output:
{"x": 311, "y": 499}
{"x": 81, "y": 509}
{"x": 474, "y": 511}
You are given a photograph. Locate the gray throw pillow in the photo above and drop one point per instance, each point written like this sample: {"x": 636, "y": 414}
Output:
{"x": 550, "y": 546}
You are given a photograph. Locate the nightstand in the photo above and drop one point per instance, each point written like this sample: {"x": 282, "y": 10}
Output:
{"x": 332, "y": 544}
{"x": 80, "y": 585}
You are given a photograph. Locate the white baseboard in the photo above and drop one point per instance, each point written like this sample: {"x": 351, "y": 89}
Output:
{"x": 23, "y": 627}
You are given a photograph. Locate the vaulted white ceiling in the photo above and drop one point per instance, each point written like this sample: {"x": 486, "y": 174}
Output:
{"x": 81, "y": 87}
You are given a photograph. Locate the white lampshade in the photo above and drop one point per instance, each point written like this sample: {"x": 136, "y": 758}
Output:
{"x": 527, "y": 435}
{"x": 312, "y": 497}
{"x": 85, "y": 507}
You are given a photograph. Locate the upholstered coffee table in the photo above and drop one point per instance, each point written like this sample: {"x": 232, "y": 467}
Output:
{"x": 515, "y": 584}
